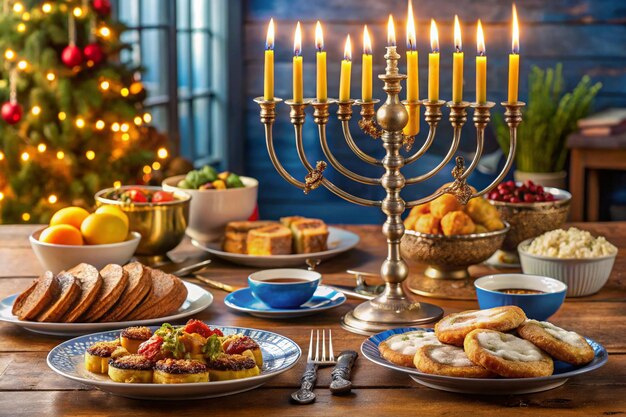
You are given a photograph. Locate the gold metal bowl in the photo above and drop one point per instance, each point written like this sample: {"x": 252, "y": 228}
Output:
{"x": 529, "y": 220}
{"x": 161, "y": 225}
{"x": 448, "y": 257}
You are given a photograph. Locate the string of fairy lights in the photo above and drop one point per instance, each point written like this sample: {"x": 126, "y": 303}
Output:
{"x": 124, "y": 131}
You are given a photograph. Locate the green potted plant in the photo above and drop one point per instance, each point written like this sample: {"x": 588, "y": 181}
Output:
{"x": 551, "y": 115}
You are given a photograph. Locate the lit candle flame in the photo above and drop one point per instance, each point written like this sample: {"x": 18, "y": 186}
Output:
{"x": 480, "y": 39}
{"x": 391, "y": 32}
{"x": 319, "y": 37}
{"x": 458, "y": 45}
{"x": 347, "y": 52}
{"x": 367, "y": 42}
{"x": 434, "y": 36}
{"x": 410, "y": 30}
{"x": 515, "y": 43}
{"x": 297, "y": 41}
{"x": 269, "y": 41}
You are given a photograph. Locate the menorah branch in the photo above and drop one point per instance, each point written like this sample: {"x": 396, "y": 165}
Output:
{"x": 432, "y": 116}
{"x": 481, "y": 120}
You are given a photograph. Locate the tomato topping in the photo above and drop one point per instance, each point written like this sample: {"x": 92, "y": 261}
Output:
{"x": 240, "y": 345}
{"x": 197, "y": 326}
{"x": 162, "y": 197}
{"x": 151, "y": 348}
{"x": 137, "y": 196}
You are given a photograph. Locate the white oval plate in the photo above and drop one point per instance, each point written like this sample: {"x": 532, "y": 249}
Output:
{"x": 279, "y": 355}
{"x": 339, "y": 241}
{"x": 484, "y": 386}
{"x": 197, "y": 300}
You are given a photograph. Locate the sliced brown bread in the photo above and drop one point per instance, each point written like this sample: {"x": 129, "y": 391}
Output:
{"x": 158, "y": 302}
{"x": 139, "y": 285}
{"x": 178, "y": 298}
{"x": 36, "y": 297}
{"x": 90, "y": 284}
{"x": 114, "y": 281}
{"x": 68, "y": 294}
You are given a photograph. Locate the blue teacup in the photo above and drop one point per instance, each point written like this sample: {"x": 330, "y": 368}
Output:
{"x": 284, "y": 288}
{"x": 539, "y": 306}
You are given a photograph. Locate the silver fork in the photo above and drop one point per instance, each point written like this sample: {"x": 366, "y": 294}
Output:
{"x": 305, "y": 394}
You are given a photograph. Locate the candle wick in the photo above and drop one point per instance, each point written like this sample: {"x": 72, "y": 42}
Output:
{"x": 458, "y": 48}
{"x": 435, "y": 51}
{"x": 481, "y": 53}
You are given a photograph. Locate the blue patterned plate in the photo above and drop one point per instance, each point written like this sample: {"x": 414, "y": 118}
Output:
{"x": 324, "y": 298}
{"x": 485, "y": 386}
{"x": 197, "y": 300}
{"x": 279, "y": 355}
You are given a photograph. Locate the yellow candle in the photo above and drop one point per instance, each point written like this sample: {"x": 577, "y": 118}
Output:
{"x": 457, "y": 64}
{"x": 298, "y": 94}
{"x": 322, "y": 89}
{"x": 366, "y": 74}
{"x": 481, "y": 66}
{"x": 268, "y": 76}
{"x": 346, "y": 68}
{"x": 514, "y": 61}
{"x": 412, "y": 82}
{"x": 433, "y": 63}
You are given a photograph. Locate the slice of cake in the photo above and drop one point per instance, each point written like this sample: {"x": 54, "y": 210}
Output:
{"x": 236, "y": 234}
{"x": 310, "y": 235}
{"x": 274, "y": 239}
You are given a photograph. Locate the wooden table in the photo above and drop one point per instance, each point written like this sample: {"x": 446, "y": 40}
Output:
{"x": 589, "y": 155}
{"x": 29, "y": 388}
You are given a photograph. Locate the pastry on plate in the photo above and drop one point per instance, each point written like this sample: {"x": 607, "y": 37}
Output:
{"x": 453, "y": 328}
{"x": 36, "y": 297}
{"x": 69, "y": 292}
{"x": 269, "y": 240}
{"x": 132, "y": 337}
{"x": 448, "y": 360}
{"x": 90, "y": 282}
{"x": 400, "y": 348}
{"x": 507, "y": 355}
{"x": 138, "y": 287}
{"x": 130, "y": 369}
{"x": 224, "y": 367}
{"x": 114, "y": 280}
{"x": 309, "y": 235}
{"x": 561, "y": 344}
{"x": 97, "y": 356}
{"x": 179, "y": 371}
{"x": 236, "y": 235}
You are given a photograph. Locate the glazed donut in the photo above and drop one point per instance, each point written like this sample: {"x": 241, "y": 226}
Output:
{"x": 400, "y": 348}
{"x": 448, "y": 360}
{"x": 559, "y": 343}
{"x": 453, "y": 328}
{"x": 507, "y": 355}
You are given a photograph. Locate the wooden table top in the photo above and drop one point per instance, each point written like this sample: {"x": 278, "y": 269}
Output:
{"x": 28, "y": 387}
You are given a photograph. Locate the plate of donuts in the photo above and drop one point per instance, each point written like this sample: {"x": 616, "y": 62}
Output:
{"x": 490, "y": 352}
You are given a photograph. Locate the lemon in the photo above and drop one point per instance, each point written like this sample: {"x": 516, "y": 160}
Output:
{"x": 72, "y": 216}
{"x": 61, "y": 234}
{"x": 103, "y": 228}
{"x": 114, "y": 210}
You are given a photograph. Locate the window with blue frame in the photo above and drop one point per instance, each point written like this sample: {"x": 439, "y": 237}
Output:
{"x": 177, "y": 42}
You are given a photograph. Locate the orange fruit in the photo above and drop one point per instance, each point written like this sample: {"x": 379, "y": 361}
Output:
{"x": 114, "y": 210}
{"x": 61, "y": 234}
{"x": 103, "y": 228}
{"x": 72, "y": 216}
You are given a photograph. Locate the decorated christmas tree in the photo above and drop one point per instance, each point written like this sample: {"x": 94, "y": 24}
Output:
{"x": 73, "y": 115}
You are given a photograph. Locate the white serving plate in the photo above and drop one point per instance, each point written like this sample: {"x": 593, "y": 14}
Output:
{"x": 197, "y": 300}
{"x": 339, "y": 241}
{"x": 484, "y": 386}
{"x": 279, "y": 355}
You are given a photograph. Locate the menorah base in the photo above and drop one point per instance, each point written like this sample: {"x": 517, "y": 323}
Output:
{"x": 369, "y": 318}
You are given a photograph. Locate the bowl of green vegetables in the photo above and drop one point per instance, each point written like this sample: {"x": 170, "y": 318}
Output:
{"x": 217, "y": 198}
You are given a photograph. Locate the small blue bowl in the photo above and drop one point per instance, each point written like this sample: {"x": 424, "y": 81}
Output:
{"x": 536, "y": 306}
{"x": 284, "y": 294}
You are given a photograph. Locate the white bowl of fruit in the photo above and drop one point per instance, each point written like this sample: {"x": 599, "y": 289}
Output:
{"x": 217, "y": 199}
{"x": 530, "y": 209}
{"x": 75, "y": 236}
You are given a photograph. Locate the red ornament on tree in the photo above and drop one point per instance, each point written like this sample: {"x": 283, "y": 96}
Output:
{"x": 93, "y": 52}
{"x": 102, "y": 7}
{"x": 72, "y": 56}
{"x": 11, "y": 112}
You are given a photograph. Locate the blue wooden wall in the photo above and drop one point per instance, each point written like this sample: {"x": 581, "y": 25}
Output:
{"x": 588, "y": 36}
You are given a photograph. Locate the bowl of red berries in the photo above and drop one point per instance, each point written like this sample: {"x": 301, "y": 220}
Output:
{"x": 160, "y": 216}
{"x": 530, "y": 209}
